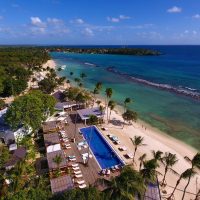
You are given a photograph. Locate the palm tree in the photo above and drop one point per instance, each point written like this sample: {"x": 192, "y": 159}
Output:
{"x": 57, "y": 159}
{"x": 126, "y": 101}
{"x": 108, "y": 96}
{"x": 77, "y": 80}
{"x": 111, "y": 105}
{"x": 149, "y": 172}
{"x": 68, "y": 82}
{"x": 169, "y": 160}
{"x": 195, "y": 162}
{"x": 83, "y": 75}
{"x": 185, "y": 175}
{"x": 142, "y": 160}
{"x": 98, "y": 86}
{"x": 137, "y": 142}
{"x": 126, "y": 186}
{"x": 157, "y": 155}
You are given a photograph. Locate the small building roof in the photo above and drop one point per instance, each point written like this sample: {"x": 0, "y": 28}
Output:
{"x": 50, "y": 159}
{"x": 7, "y": 136}
{"x": 63, "y": 105}
{"x": 19, "y": 154}
{"x": 61, "y": 184}
{"x": 59, "y": 96}
{"x": 49, "y": 126}
{"x": 51, "y": 139}
{"x": 52, "y": 148}
{"x": 85, "y": 113}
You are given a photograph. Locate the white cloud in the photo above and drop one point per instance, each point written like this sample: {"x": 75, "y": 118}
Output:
{"x": 38, "y": 30}
{"x": 174, "y": 9}
{"x": 142, "y": 26}
{"x": 194, "y": 32}
{"x": 54, "y": 21}
{"x": 197, "y": 16}
{"x": 113, "y": 19}
{"x": 88, "y": 32}
{"x": 77, "y": 21}
{"x": 118, "y": 19}
{"x": 36, "y": 21}
{"x": 124, "y": 17}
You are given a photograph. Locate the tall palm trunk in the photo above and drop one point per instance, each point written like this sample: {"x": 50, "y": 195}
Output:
{"x": 134, "y": 154}
{"x": 177, "y": 183}
{"x": 184, "y": 191}
{"x": 140, "y": 165}
{"x": 166, "y": 169}
{"x": 107, "y": 107}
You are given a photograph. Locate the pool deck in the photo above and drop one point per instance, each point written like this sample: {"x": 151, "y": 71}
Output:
{"x": 90, "y": 172}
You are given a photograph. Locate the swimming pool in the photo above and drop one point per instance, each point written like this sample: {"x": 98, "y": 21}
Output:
{"x": 103, "y": 152}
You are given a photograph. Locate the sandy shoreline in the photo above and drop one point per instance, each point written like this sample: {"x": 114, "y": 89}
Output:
{"x": 154, "y": 140}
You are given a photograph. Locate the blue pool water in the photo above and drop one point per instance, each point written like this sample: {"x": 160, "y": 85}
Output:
{"x": 104, "y": 154}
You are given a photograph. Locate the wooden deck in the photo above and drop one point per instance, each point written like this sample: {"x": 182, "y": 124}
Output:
{"x": 90, "y": 171}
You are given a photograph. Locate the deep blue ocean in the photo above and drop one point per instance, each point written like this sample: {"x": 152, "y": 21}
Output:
{"x": 178, "y": 67}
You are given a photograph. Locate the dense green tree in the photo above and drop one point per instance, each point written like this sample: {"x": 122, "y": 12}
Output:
{"x": 47, "y": 85}
{"x": 129, "y": 116}
{"x": 24, "y": 109}
{"x": 2, "y": 104}
{"x": 126, "y": 186}
{"x": 90, "y": 193}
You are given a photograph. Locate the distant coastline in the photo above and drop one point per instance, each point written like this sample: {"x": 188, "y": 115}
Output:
{"x": 115, "y": 51}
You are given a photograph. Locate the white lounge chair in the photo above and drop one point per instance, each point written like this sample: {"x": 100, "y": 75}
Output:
{"x": 75, "y": 168}
{"x": 80, "y": 182}
{"x": 75, "y": 165}
{"x": 122, "y": 148}
{"x": 78, "y": 175}
{"x": 129, "y": 155}
{"x": 77, "y": 172}
{"x": 117, "y": 142}
{"x": 82, "y": 186}
{"x": 72, "y": 159}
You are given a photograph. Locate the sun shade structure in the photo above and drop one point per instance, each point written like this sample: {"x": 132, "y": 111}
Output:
{"x": 51, "y": 139}
{"x": 50, "y": 158}
{"x": 61, "y": 184}
{"x": 86, "y": 113}
{"x": 50, "y": 126}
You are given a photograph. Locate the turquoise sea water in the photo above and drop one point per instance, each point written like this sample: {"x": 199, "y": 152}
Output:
{"x": 177, "y": 115}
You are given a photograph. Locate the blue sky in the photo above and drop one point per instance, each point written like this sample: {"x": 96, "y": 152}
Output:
{"x": 99, "y": 22}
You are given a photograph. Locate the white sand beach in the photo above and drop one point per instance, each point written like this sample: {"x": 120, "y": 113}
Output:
{"x": 155, "y": 140}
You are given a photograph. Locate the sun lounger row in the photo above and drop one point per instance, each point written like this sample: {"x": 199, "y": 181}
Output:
{"x": 78, "y": 174}
{"x": 114, "y": 138}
